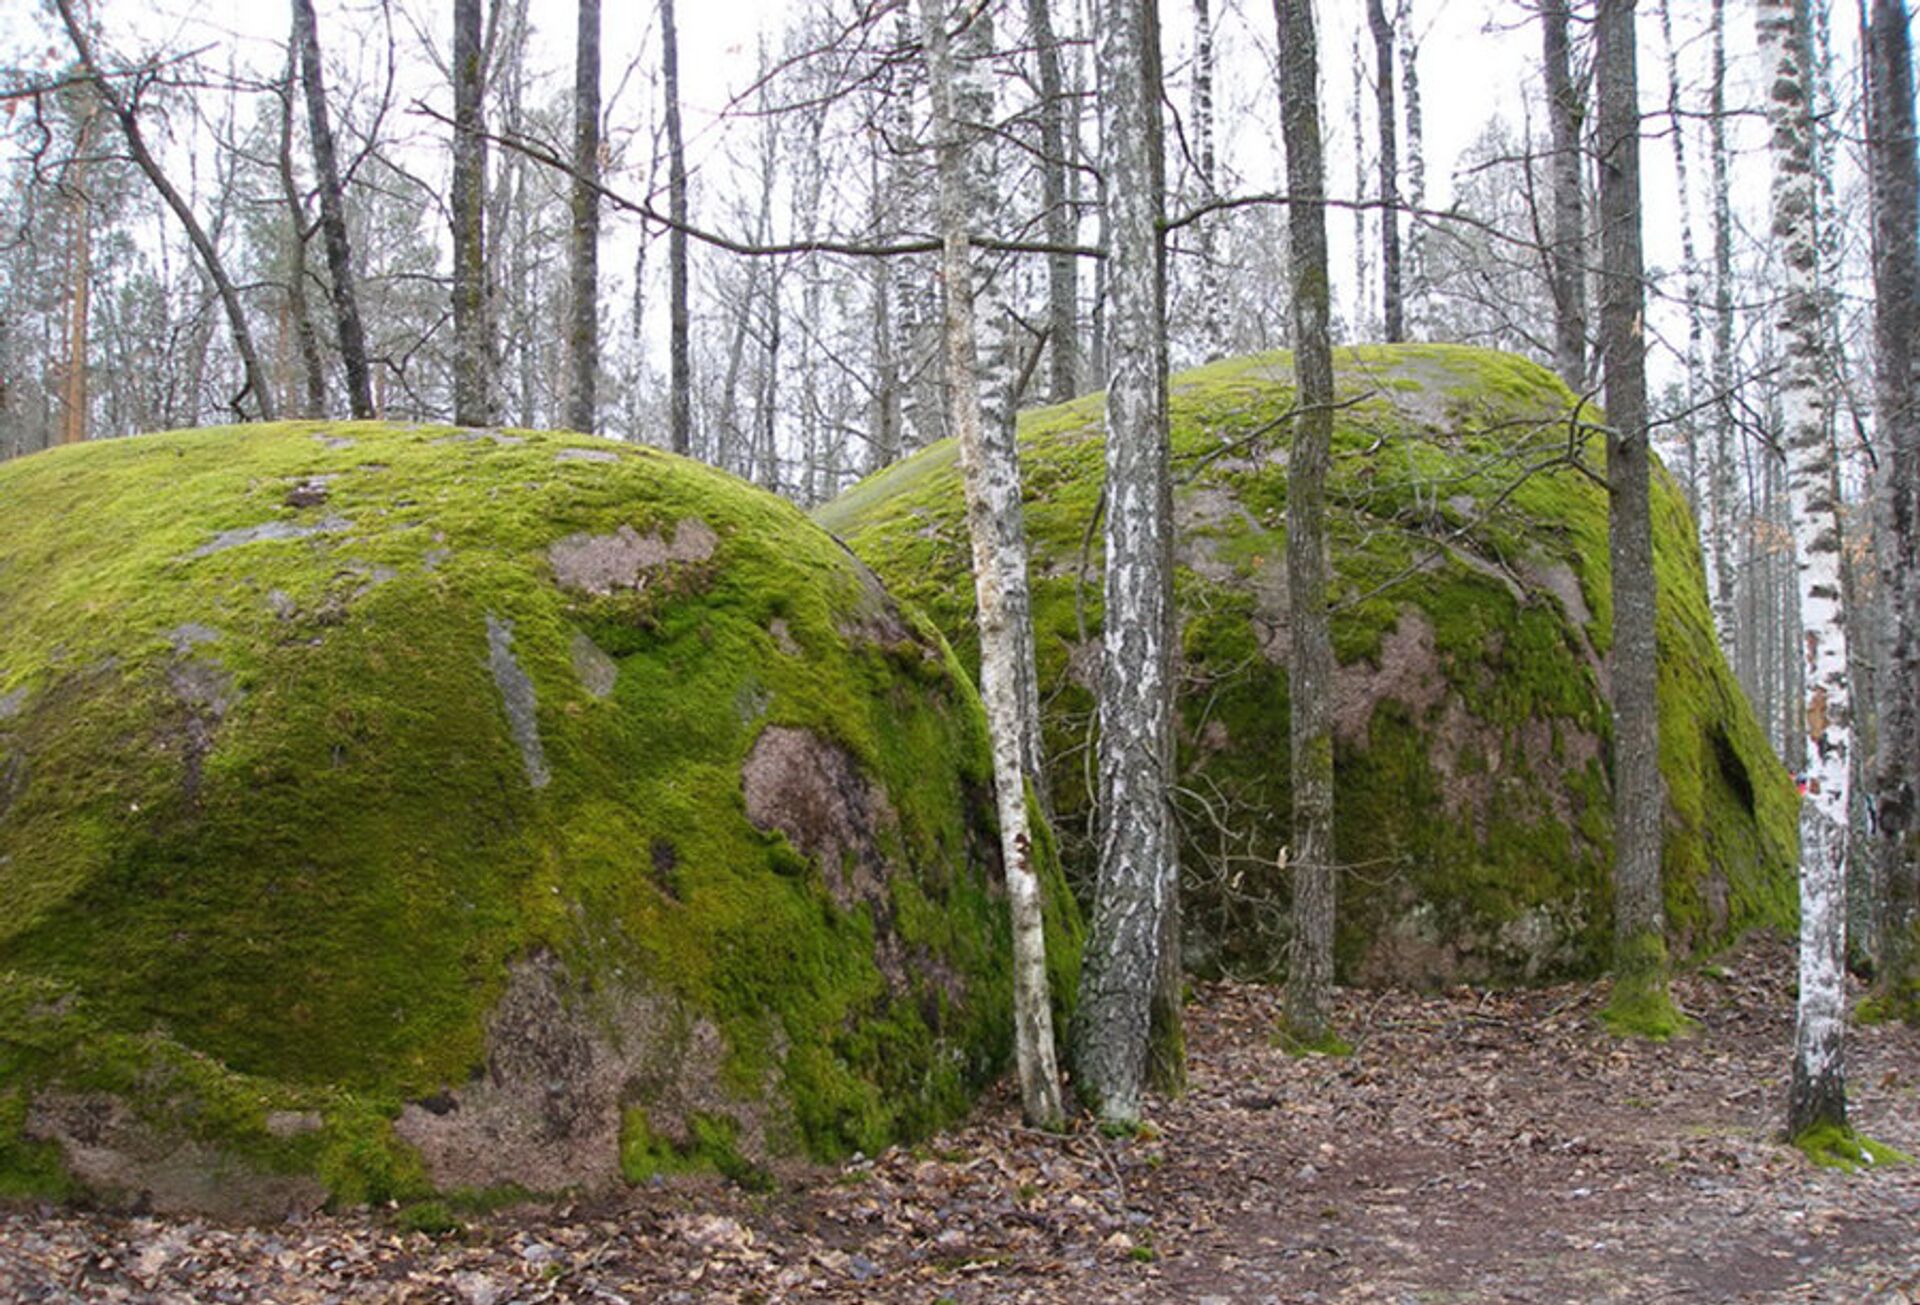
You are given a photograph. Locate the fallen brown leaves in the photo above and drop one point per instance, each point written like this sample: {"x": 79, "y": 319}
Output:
{"x": 1475, "y": 1147}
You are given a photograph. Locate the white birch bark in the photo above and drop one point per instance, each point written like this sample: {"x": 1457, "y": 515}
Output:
{"x": 992, "y": 480}
{"x": 1138, "y": 876}
{"x": 1818, "y": 1093}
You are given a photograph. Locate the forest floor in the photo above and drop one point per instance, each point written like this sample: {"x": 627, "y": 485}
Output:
{"x": 1473, "y": 1148}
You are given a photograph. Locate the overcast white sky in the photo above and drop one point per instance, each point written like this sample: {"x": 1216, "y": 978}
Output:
{"x": 1476, "y": 59}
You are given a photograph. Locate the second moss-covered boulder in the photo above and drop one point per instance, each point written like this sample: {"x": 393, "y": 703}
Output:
{"x": 1471, "y": 622}
{"x": 387, "y": 809}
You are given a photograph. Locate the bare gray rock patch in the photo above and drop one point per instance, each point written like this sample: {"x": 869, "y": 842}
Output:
{"x": 600, "y": 564}
{"x": 597, "y": 671}
{"x": 271, "y": 531}
{"x": 561, "y": 1063}
{"x": 11, "y": 703}
{"x": 586, "y": 455}
{"x": 109, "y": 1148}
{"x": 517, "y": 695}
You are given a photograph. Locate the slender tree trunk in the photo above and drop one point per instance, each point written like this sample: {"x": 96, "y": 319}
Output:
{"x": 992, "y": 480}
{"x": 583, "y": 327}
{"x": 1393, "y": 322}
{"x": 1640, "y": 999}
{"x": 1413, "y": 258}
{"x": 73, "y": 426}
{"x": 1720, "y": 504}
{"x": 1896, "y": 275}
{"x": 1818, "y": 1093}
{"x": 122, "y": 109}
{"x": 1310, "y": 659}
{"x": 472, "y": 334}
{"x": 1566, "y": 273}
{"x": 1697, "y": 489}
{"x": 1063, "y": 270}
{"x": 333, "y": 217}
{"x": 679, "y": 340}
{"x": 297, "y": 308}
{"x": 1213, "y": 289}
{"x": 1139, "y": 871}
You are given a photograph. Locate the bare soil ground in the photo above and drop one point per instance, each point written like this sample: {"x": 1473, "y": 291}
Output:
{"x": 1474, "y": 1148}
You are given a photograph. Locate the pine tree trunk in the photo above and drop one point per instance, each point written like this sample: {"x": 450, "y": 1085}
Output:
{"x": 679, "y": 339}
{"x": 1818, "y": 1093}
{"x": 583, "y": 326}
{"x": 73, "y": 425}
{"x": 333, "y": 217}
{"x": 1896, "y": 275}
{"x": 1640, "y": 1001}
{"x": 1310, "y": 660}
{"x": 472, "y": 333}
{"x": 1565, "y": 256}
{"x": 1139, "y": 872}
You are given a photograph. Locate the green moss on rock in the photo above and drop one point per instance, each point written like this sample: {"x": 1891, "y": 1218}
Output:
{"x": 1472, "y": 618}
{"x": 359, "y": 782}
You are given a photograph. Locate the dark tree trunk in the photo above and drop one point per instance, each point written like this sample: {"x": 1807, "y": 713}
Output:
{"x": 1565, "y": 256}
{"x": 472, "y": 335}
{"x": 333, "y": 217}
{"x": 1640, "y": 999}
{"x": 1393, "y": 321}
{"x": 1896, "y": 277}
{"x": 583, "y": 326}
{"x": 311, "y": 363}
{"x": 679, "y": 343}
{"x": 1063, "y": 270}
{"x": 1310, "y": 660}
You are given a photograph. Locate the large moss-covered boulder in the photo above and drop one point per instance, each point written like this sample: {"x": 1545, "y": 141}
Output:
{"x": 390, "y": 809}
{"x": 1471, "y": 623}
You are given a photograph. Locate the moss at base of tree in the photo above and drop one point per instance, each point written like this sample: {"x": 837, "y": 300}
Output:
{"x": 1836, "y": 1146}
{"x": 1641, "y": 1003}
{"x": 1325, "y": 1043}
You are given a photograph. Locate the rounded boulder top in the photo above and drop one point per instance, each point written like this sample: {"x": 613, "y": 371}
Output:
{"x": 386, "y": 809}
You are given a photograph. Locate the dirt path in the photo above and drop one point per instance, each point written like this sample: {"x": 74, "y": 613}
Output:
{"x": 1474, "y": 1148}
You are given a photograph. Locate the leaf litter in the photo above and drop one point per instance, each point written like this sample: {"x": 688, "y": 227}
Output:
{"x": 1475, "y": 1147}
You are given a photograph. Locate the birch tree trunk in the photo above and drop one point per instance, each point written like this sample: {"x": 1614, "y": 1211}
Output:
{"x": 1139, "y": 871}
{"x": 992, "y": 480}
{"x": 1413, "y": 258}
{"x": 679, "y": 343}
{"x": 1565, "y": 273}
{"x": 1896, "y": 276}
{"x": 1697, "y": 488}
{"x": 583, "y": 324}
{"x": 1393, "y": 322}
{"x": 1640, "y": 1002}
{"x": 1310, "y": 654}
{"x": 348, "y": 330}
{"x": 472, "y": 333}
{"x": 1818, "y": 1094}
{"x": 1213, "y": 290}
